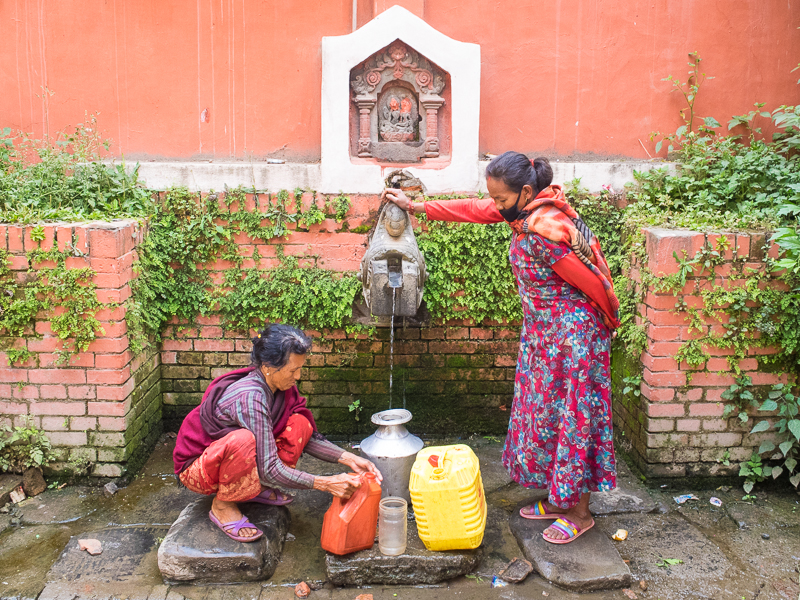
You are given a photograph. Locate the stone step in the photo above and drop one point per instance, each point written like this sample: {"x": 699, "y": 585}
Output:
{"x": 128, "y": 556}
{"x": 414, "y": 567}
{"x": 589, "y": 563}
{"x": 196, "y": 550}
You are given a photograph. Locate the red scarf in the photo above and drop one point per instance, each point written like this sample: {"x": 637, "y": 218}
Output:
{"x": 550, "y": 216}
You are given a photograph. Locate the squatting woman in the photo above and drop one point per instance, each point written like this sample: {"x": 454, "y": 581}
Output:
{"x": 244, "y": 440}
{"x": 560, "y": 431}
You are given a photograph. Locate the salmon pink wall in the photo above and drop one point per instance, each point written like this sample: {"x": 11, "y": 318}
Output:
{"x": 241, "y": 78}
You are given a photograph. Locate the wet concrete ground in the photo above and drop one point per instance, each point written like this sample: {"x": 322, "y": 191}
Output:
{"x": 724, "y": 552}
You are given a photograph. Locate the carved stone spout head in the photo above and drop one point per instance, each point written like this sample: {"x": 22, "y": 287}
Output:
{"x": 393, "y": 269}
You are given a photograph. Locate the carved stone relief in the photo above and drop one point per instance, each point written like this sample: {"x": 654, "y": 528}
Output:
{"x": 398, "y": 95}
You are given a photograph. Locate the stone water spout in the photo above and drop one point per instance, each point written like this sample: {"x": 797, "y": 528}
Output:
{"x": 393, "y": 270}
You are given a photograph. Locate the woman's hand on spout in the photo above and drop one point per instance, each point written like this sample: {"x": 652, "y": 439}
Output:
{"x": 341, "y": 486}
{"x": 403, "y": 201}
{"x": 360, "y": 465}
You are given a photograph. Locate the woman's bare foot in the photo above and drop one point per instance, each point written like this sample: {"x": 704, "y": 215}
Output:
{"x": 578, "y": 514}
{"x": 228, "y": 512}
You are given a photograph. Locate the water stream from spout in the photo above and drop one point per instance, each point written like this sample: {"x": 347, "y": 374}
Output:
{"x": 391, "y": 347}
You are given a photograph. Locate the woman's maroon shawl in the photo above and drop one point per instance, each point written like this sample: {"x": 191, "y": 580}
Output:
{"x": 199, "y": 429}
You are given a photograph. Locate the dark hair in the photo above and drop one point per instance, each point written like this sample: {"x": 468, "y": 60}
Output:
{"x": 516, "y": 170}
{"x": 276, "y": 343}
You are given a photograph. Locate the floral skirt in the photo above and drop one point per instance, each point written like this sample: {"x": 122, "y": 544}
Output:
{"x": 228, "y": 468}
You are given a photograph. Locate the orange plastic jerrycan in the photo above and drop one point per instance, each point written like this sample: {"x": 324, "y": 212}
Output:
{"x": 350, "y": 525}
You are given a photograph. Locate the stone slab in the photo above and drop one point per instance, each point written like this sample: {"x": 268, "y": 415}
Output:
{"x": 414, "y": 567}
{"x": 589, "y": 563}
{"x": 8, "y": 483}
{"x": 195, "y": 550}
{"x": 128, "y": 556}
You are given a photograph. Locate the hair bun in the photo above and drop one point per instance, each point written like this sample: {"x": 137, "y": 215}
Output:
{"x": 544, "y": 172}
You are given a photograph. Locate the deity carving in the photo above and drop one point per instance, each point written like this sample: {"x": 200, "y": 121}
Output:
{"x": 398, "y": 95}
{"x": 396, "y": 123}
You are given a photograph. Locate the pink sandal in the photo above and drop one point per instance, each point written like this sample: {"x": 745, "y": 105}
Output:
{"x": 280, "y": 498}
{"x": 233, "y": 528}
{"x": 568, "y": 528}
{"x": 539, "y": 512}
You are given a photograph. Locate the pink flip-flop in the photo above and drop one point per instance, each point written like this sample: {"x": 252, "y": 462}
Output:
{"x": 280, "y": 499}
{"x": 568, "y": 528}
{"x": 233, "y": 528}
{"x": 539, "y": 512}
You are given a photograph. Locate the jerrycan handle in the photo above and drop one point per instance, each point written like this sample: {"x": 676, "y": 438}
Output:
{"x": 438, "y": 471}
{"x": 352, "y": 504}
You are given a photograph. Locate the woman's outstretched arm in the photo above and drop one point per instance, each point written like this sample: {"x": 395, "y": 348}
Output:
{"x": 467, "y": 210}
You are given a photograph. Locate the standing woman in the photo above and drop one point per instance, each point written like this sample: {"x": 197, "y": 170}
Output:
{"x": 560, "y": 434}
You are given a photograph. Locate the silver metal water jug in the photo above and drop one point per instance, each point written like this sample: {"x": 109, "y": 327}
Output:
{"x": 393, "y": 450}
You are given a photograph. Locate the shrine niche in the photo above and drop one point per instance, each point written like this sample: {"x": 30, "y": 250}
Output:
{"x": 397, "y": 95}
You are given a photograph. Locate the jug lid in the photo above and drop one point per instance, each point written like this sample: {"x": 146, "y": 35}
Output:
{"x": 396, "y": 416}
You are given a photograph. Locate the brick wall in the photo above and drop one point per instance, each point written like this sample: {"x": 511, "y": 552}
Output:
{"x": 455, "y": 380}
{"x": 107, "y": 407}
{"x": 103, "y": 407}
{"x": 676, "y": 427}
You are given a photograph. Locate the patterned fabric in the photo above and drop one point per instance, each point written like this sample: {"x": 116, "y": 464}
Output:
{"x": 560, "y": 434}
{"x": 228, "y": 469}
{"x": 550, "y": 216}
{"x": 243, "y": 405}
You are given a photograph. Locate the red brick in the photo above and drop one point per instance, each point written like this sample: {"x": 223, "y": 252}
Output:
{"x": 703, "y": 379}
{"x": 748, "y": 364}
{"x": 109, "y": 345}
{"x": 169, "y": 358}
{"x": 660, "y": 363}
{"x": 110, "y": 409}
{"x": 244, "y": 346}
{"x": 63, "y": 237}
{"x": 693, "y": 333}
{"x": 26, "y": 392}
{"x": 666, "y": 410}
{"x": 111, "y": 314}
{"x": 13, "y": 375}
{"x": 664, "y": 333}
{"x": 691, "y": 395}
{"x": 45, "y": 344}
{"x": 112, "y": 281}
{"x": 108, "y": 377}
{"x": 13, "y": 408}
{"x": 52, "y": 359}
{"x": 18, "y": 263}
{"x": 209, "y": 320}
{"x": 81, "y": 392}
{"x": 177, "y": 345}
{"x": 15, "y": 244}
{"x": 112, "y": 361}
{"x": 768, "y": 378}
{"x": 661, "y": 302}
{"x": 58, "y": 392}
{"x": 666, "y": 317}
{"x": 657, "y": 394}
{"x": 112, "y": 265}
{"x": 112, "y": 296}
{"x": 664, "y": 379}
{"x": 115, "y": 392}
{"x": 664, "y": 348}
{"x": 505, "y": 361}
{"x": 114, "y": 330}
{"x": 58, "y": 408}
{"x": 214, "y": 345}
{"x": 706, "y": 410}
{"x": 58, "y": 376}
{"x": 106, "y": 243}
{"x": 55, "y": 423}
{"x": 111, "y": 423}
{"x": 718, "y": 364}
{"x": 461, "y": 333}
{"x": 713, "y": 242}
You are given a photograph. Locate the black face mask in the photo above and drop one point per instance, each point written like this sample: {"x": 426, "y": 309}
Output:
{"x": 510, "y": 214}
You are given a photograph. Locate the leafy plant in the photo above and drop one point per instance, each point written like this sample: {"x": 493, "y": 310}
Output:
{"x": 340, "y": 206}
{"x": 665, "y": 563}
{"x": 63, "y": 178}
{"x": 355, "y": 407}
{"x": 23, "y": 447}
{"x": 632, "y": 385}
{"x": 786, "y": 404}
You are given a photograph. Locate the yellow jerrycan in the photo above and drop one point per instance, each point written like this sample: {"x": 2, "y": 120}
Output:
{"x": 447, "y": 494}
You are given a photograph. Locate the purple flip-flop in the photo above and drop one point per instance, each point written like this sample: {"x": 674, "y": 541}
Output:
{"x": 280, "y": 499}
{"x": 233, "y": 528}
